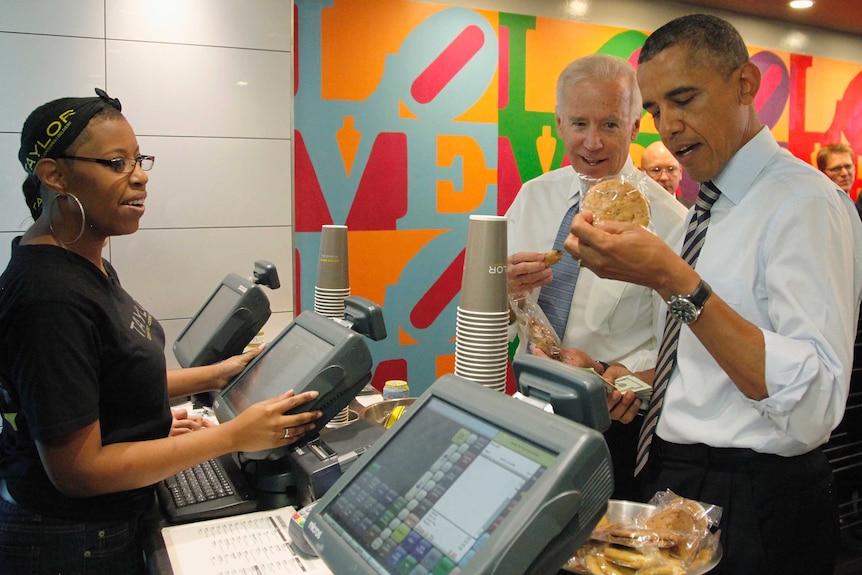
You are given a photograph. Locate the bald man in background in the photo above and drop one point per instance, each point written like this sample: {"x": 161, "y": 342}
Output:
{"x": 660, "y": 165}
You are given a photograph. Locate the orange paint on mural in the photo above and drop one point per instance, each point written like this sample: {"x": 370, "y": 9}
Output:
{"x": 377, "y": 258}
{"x": 826, "y": 81}
{"x": 476, "y": 179}
{"x": 485, "y": 108}
{"x": 404, "y": 111}
{"x": 550, "y": 48}
{"x": 348, "y": 138}
{"x": 357, "y": 36}
{"x": 445, "y": 364}
{"x": 404, "y": 338}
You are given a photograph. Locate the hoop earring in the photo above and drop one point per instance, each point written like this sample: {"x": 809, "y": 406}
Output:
{"x": 51, "y": 219}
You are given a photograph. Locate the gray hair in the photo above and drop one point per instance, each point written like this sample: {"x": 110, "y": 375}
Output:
{"x": 602, "y": 67}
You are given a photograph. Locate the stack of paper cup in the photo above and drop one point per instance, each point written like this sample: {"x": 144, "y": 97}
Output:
{"x": 482, "y": 324}
{"x": 333, "y": 285}
{"x": 333, "y": 281}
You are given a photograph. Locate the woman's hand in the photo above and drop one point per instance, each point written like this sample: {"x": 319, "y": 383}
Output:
{"x": 264, "y": 425}
{"x": 182, "y": 422}
{"x": 232, "y": 366}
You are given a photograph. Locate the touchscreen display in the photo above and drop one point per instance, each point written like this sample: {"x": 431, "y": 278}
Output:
{"x": 279, "y": 368}
{"x": 428, "y": 501}
{"x": 215, "y": 311}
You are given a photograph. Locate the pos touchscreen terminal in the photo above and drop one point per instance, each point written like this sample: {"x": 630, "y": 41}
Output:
{"x": 312, "y": 353}
{"x": 225, "y": 324}
{"x": 467, "y": 480}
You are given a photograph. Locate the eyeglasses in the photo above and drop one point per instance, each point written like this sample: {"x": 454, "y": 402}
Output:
{"x": 656, "y": 170}
{"x": 841, "y": 168}
{"x": 119, "y": 165}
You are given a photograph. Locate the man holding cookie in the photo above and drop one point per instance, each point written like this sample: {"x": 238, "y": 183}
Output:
{"x": 762, "y": 300}
{"x": 598, "y": 114}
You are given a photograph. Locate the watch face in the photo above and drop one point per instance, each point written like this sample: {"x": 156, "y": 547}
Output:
{"x": 683, "y": 310}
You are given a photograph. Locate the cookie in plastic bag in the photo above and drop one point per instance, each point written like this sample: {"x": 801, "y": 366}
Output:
{"x": 618, "y": 199}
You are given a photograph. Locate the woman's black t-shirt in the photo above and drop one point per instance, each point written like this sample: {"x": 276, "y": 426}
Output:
{"x": 74, "y": 348}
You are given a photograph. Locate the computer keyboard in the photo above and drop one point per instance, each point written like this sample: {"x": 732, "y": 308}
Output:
{"x": 212, "y": 489}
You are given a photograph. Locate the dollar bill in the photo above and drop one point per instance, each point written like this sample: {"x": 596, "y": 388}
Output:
{"x": 641, "y": 389}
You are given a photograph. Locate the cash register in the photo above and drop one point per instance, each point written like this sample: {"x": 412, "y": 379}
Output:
{"x": 472, "y": 481}
{"x": 229, "y": 318}
{"x": 312, "y": 353}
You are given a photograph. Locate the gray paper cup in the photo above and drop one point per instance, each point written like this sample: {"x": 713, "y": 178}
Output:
{"x": 484, "y": 283}
{"x": 332, "y": 268}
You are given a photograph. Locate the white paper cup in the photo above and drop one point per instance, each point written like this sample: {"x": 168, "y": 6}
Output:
{"x": 332, "y": 267}
{"x": 482, "y": 337}
{"x": 483, "y": 283}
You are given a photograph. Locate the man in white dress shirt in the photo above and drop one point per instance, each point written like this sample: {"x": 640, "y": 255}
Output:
{"x": 598, "y": 114}
{"x": 764, "y": 355}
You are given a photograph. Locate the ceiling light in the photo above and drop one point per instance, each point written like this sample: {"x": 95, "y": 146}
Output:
{"x": 801, "y": 4}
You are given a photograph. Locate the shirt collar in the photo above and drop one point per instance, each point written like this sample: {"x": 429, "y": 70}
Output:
{"x": 739, "y": 174}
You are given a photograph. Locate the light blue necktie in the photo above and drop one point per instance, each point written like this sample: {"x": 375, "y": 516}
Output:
{"x": 694, "y": 237}
{"x": 555, "y": 299}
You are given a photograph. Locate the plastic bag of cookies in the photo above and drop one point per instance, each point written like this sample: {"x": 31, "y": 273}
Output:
{"x": 534, "y": 327}
{"x": 671, "y": 535}
{"x": 617, "y": 198}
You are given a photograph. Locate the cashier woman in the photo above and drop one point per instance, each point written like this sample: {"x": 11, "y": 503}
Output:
{"x": 84, "y": 388}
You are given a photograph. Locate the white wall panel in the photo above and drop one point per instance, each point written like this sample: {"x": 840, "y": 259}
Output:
{"x": 176, "y": 90}
{"x": 172, "y": 272}
{"x": 65, "y": 18}
{"x": 32, "y": 73}
{"x": 6, "y": 246}
{"x": 217, "y": 182}
{"x": 14, "y": 214}
{"x": 261, "y": 24}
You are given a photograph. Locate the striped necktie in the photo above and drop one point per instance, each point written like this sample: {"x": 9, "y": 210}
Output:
{"x": 694, "y": 238}
{"x": 555, "y": 299}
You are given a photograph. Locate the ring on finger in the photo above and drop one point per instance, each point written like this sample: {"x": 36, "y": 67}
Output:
{"x": 287, "y": 433}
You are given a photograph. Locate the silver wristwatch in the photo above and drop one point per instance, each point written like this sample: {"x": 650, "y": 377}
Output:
{"x": 687, "y": 308}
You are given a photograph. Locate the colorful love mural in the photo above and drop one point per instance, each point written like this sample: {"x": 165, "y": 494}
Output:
{"x": 411, "y": 116}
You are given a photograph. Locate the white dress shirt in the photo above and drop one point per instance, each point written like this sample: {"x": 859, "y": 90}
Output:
{"x": 783, "y": 249}
{"x": 612, "y": 321}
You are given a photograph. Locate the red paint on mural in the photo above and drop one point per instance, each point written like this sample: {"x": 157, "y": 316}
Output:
{"x": 847, "y": 120}
{"x": 389, "y": 369}
{"x": 434, "y": 301}
{"x": 310, "y": 211}
{"x": 382, "y": 194}
{"x": 447, "y": 65}
{"x": 508, "y": 176}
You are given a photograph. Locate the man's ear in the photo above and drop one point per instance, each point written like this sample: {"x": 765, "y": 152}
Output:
{"x": 749, "y": 82}
{"x": 636, "y": 128}
{"x": 49, "y": 173}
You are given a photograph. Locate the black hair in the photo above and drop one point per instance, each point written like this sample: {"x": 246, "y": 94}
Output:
{"x": 709, "y": 38}
{"x": 55, "y": 127}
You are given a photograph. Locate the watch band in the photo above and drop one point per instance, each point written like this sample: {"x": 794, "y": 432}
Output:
{"x": 700, "y": 294}
{"x": 687, "y": 308}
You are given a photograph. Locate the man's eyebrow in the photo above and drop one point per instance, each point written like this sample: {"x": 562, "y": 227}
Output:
{"x": 670, "y": 94}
